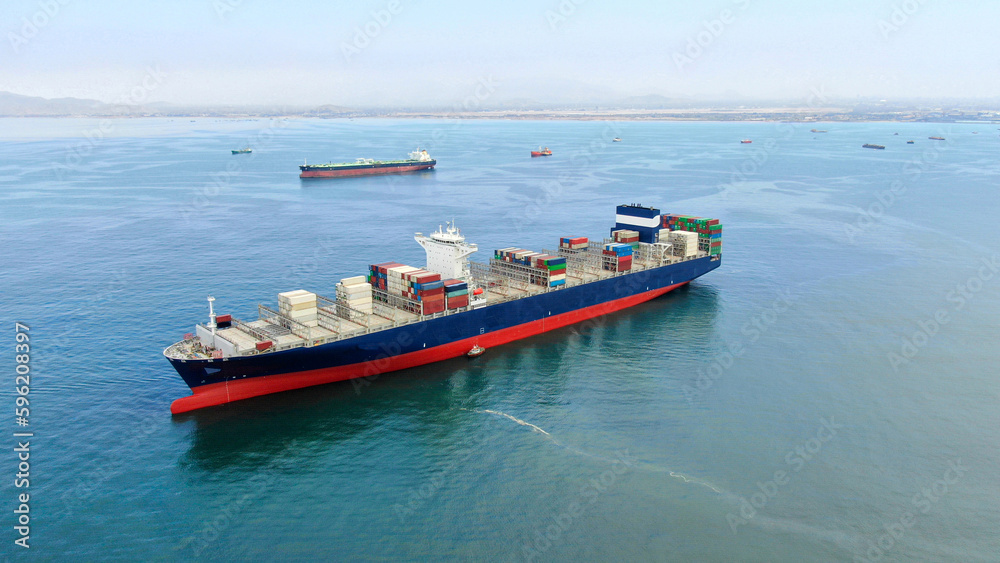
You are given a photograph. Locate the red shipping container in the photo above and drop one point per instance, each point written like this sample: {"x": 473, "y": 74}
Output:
{"x": 223, "y": 318}
{"x": 431, "y": 307}
{"x": 264, "y": 345}
{"x": 432, "y": 292}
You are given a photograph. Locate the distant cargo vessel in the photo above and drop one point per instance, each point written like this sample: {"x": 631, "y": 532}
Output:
{"x": 936, "y": 138}
{"x": 401, "y": 316}
{"x": 542, "y": 151}
{"x": 817, "y": 131}
{"x": 871, "y": 146}
{"x": 243, "y": 151}
{"x": 746, "y": 141}
{"x": 419, "y": 160}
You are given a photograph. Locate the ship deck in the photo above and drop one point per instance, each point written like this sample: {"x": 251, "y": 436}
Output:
{"x": 243, "y": 338}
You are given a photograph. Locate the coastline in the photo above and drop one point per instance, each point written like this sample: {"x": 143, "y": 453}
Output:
{"x": 774, "y": 114}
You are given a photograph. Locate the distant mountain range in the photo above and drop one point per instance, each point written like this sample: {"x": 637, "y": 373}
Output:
{"x": 16, "y": 105}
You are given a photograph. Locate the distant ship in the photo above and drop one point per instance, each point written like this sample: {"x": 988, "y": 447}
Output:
{"x": 617, "y": 139}
{"x": 909, "y": 142}
{"x": 419, "y": 160}
{"x": 936, "y": 138}
{"x": 542, "y": 152}
{"x": 817, "y": 131}
{"x": 871, "y": 146}
{"x": 746, "y": 141}
{"x": 243, "y": 151}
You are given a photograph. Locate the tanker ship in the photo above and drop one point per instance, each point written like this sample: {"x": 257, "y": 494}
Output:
{"x": 400, "y": 316}
{"x": 419, "y": 160}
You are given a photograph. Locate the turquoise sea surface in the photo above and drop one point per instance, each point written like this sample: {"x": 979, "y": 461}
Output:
{"x": 830, "y": 393}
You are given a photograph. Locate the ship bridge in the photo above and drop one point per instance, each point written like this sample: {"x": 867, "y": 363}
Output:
{"x": 447, "y": 252}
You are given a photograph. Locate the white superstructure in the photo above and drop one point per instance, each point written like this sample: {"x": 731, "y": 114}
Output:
{"x": 447, "y": 252}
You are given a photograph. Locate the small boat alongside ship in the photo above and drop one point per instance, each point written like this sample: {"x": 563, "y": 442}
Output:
{"x": 419, "y": 160}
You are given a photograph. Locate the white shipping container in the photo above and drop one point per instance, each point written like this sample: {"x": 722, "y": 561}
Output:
{"x": 398, "y": 271}
{"x": 354, "y": 280}
{"x": 356, "y": 289}
{"x": 297, "y": 297}
{"x": 301, "y": 314}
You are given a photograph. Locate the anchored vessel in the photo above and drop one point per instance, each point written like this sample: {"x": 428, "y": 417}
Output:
{"x": 872, "y": 146}
{"x": 401, "y": 316}
{"x": 419, "y": 160}
{"x": 245, "y": 150}
{"x": 542, "y": 151}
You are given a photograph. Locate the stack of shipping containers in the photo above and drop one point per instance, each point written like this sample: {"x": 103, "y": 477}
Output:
{"x": 419, "y": 291}
{"x": 356, "y": 293}
{"x": 539, "y": 269}
{"x": 574, "y": 243}
{"x": 299, "y": 306}
{"x": 456, "y": 294}
{"x": 617, "y": 257}
{"x": 709, "y": 231}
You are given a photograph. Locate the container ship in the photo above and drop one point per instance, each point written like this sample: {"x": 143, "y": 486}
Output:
{"x": 419, "y": 160}
{"x": 399, "y": 316}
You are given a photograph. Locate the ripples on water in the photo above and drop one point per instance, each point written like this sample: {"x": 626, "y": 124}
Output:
{"x": 109, "y": 262}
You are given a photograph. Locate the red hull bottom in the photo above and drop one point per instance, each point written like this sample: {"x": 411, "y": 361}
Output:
{"x": 363, "y": 171}
{"x": 228, "y": 391}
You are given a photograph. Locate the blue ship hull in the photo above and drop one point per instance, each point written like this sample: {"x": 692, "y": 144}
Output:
{"x": 216, "y": 381}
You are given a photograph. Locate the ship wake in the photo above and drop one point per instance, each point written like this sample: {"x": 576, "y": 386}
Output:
{"x": 641, "y": 465}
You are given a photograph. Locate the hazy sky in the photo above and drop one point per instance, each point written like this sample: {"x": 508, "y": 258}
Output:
{"x": 322, "y": 52}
